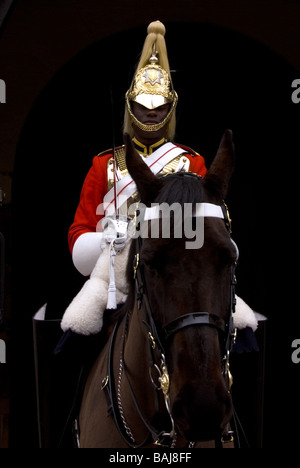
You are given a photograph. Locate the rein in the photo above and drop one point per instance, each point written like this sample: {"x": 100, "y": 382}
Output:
{"x": 113, "y": 397}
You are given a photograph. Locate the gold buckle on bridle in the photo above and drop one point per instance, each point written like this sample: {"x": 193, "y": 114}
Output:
{"x": 136, "y": 265}
{"x": 228, "y": 220}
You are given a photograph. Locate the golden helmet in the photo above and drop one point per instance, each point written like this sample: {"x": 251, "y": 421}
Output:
{"x": 152, "y": 84}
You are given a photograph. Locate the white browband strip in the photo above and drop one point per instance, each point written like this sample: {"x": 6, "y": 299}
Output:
{"x": 209, "y": 210}
{"x": 202, "y": 210}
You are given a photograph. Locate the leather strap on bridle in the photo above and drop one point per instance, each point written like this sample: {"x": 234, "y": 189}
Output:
{"x": 154, "y": 435}
{"x": 194, "y": 318}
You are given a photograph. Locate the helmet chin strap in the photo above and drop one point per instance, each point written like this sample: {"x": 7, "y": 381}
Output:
{"x": 154, "y": 127}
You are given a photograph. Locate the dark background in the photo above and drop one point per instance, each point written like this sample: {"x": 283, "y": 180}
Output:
{"x": 224, "y": 80}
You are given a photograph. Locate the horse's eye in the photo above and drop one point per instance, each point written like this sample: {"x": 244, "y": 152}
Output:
{"x": 152, "y": 262}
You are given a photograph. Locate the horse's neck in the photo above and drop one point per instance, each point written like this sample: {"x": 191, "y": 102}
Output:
{"x": 135, "y": 354}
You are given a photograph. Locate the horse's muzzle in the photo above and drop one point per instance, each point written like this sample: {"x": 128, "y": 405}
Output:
{"x": 202, "y": 412}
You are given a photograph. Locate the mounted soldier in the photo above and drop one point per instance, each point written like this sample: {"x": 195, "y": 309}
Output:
{"x": 98, "y": 237}
{"x": 108, "y": 190}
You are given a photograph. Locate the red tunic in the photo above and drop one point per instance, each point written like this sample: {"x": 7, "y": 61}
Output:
{"x": 95, "y": 188}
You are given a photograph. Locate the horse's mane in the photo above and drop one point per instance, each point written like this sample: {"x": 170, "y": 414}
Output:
{"x": 180, "y": 187}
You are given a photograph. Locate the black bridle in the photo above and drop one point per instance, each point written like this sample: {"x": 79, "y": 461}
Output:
{"x": 226, "y": 328}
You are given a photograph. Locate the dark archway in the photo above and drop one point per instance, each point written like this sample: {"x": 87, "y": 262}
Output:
{"x": 223, "y": 80}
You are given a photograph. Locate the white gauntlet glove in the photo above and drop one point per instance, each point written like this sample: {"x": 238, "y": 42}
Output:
{"x": 89, "y": 246}
{"x": 115, "y": 229}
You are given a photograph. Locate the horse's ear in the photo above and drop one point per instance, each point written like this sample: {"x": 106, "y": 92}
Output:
{"x": 147, "y": 183}
{"x": 221, "y": 169}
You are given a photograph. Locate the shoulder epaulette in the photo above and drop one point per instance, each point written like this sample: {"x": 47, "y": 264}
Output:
{"x": 108, "y": 151}
{"x": 188, "y": 150}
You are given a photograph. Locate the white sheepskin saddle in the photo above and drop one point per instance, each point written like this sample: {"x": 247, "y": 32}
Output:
{"x": 85, "y": 313}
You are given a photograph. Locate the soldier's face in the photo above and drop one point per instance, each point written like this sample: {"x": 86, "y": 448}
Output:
{"x": 149, "y": 117}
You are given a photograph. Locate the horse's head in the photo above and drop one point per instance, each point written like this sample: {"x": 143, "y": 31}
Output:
{"x": 181, "y": 279}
